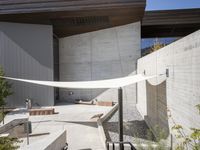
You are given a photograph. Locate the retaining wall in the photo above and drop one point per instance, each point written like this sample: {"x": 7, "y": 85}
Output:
{"x": 177, "y": 94}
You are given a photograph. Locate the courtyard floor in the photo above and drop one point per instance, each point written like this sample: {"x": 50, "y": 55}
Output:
{"x": 82, "y": 132}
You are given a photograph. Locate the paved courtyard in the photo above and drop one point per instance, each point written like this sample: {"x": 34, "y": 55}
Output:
{"x": 82, "y": 132}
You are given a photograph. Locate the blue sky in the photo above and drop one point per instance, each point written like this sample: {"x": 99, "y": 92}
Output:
{"x": 166, "y": 5}
{"x": 171, "y": 4}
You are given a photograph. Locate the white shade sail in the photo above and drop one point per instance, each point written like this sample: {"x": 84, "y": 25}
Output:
{"x": 99, "y": 84}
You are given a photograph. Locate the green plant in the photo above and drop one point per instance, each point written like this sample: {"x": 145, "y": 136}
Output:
{"x": 5, "y": 88}
{"x": 186, "y": 141}
{"x": 139, "y": 144}
{"x": 1, "y": 116}
{"x": 198, "y": 107}
{"x": 8, "y": 143}
{"x": 157, "y": 45}
{"x": 152, "y": 142}
{"x": 160, "y": 136}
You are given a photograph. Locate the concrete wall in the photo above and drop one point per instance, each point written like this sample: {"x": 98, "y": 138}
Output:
{"x": 54, "y": 141}
{"x": 58, "y": 141}
{"x": 180, "y": 92}
{"x": 26, "y": 51}
{"x": 104, "y": 54}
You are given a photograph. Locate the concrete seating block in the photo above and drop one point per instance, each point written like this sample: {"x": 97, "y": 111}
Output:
{"x": 104, "y": 103}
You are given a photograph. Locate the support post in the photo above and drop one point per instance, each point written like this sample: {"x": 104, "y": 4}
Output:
{"x": 27, "y": 123}
{"x": 27, "y": 132}
{"x": 3, "y": 114}
{"x": 120, "y": 122}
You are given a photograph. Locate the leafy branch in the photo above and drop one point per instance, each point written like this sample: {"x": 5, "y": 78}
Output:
{"x": 9, "y": 143}
{"x": 5, "y": 88}
{"x": 186, "y": 141}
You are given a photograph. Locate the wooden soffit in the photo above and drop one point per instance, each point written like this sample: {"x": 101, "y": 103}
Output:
{"x": 70, "y": 17}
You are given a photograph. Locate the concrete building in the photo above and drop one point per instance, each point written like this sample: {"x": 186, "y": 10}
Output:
{"x": 72, "y": 43}
{"x": 95, "y": 40}
{"x": 63, "y": 44}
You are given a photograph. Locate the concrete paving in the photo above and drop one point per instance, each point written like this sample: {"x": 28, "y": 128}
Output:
{"x": 82, "y": 132}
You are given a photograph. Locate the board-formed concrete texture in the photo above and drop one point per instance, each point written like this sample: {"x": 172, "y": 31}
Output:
{"x": 103, "y": 54}
{"x": 26, "y": 51}
{"x": 180, "y": 92}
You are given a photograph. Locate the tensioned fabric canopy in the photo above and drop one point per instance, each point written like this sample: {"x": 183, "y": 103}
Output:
{"x": 99, "y": 84}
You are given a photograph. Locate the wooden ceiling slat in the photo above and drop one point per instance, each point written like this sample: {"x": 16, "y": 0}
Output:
{"x": 14, "y": 2}
{"x": 73, "y": 16}
{"x": 43, "y": 6}
{"x": 171, "y": 16}
{"x": 170, "y": 23}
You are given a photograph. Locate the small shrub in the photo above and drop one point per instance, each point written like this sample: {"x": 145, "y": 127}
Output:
{"x": 156, "y": 46}
{"x": 187, "y": 141}
{"x": 8, "y": 143}
{"x": 5, "y": 89}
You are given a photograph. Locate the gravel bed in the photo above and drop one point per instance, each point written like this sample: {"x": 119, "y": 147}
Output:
{"x": 135, "y": 127}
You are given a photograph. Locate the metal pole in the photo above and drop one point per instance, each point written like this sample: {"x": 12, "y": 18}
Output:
{"x": 27, "y": 123}
{"x": 120, "y": 122}
{"x": 27, "y": 131}
{"x": 3, "y": 115}
{"x": 171, "y": 142}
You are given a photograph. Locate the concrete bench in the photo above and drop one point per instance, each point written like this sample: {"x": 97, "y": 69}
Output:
{"x": 104, "y": 103}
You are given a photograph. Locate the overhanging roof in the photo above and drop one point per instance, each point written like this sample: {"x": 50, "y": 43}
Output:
{"x": 70, "y": 17}
{"x": 170, "y": 23}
